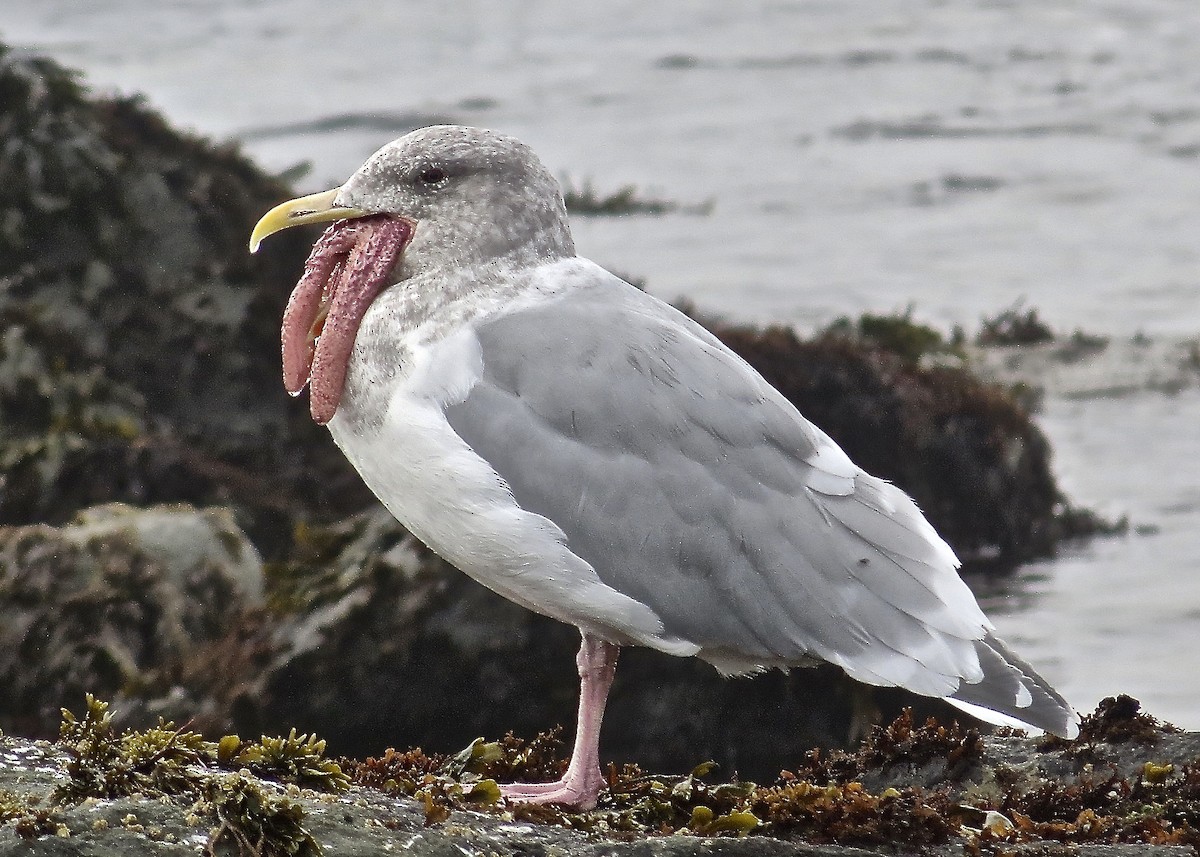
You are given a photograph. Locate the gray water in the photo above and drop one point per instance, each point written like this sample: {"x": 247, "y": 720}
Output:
{"x": 852, "y": 156}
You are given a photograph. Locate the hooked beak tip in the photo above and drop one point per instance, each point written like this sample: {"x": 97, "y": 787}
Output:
{"x": 314, "y": 208}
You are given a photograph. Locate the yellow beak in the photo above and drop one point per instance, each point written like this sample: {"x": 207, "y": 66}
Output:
{"x": 314, "y": 208}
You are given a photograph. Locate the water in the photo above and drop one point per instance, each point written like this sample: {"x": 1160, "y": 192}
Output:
{"x": 857, "y": 156}
{"x": 1119, "y": 615}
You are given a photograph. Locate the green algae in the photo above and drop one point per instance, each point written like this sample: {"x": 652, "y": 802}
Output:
{"x": 28, "y": 818}
{"x": 896, "y": 333}
{"x": 636, "y": 803}
{"x": 828, "y": 799}
{"x": 223, "y": 778}
{"x": 298, "y": 759}
{"x": 254, "y": 821}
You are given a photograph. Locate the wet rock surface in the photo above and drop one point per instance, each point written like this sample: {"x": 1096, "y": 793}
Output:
{"x": 139, "y": 364}
{"x": 1130, "y": 786}
{"x": 112, "y": 601}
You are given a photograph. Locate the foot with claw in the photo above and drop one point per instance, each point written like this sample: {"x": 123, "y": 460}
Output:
{"x": 580, "y": 786}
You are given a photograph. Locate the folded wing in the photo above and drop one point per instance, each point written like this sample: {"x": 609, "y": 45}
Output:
{"x": 692, "y": 486}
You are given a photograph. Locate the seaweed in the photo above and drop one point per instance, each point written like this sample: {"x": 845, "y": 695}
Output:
{"x": 827, "y": 800}
{"x": 1012, "y": 326}
{"x": 848, "y": 814}
{"x": 866, "y": 799}
{"x": 256, "y": 822}
{"x": 901, "y": 742}
{"x": 1116, "y": 720}
{"x": 103, "y": 763}
{"x": 298, "y": 759}
{"x": 637, "y": 803}
{"x": 895, "y": 333}
{"x": 586, "y": 201}
{"x": 224, "y": 778}
{"x": 28, "y": 819}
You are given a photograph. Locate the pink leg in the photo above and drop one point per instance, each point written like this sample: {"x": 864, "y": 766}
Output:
{"x": 579, "y": 788}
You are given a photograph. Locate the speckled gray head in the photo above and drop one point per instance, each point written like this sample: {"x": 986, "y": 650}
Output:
{"x": 474, "y": 194}
{"x": 442, "y": 199}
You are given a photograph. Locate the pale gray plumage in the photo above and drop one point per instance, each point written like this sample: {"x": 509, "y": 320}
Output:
{"x": 686, "y": 482}
{"x": 593, "y": 454}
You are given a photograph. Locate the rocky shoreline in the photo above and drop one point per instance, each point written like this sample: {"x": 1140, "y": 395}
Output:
{"x": 178, "y": 537}
{"x": 1128, "y": 786}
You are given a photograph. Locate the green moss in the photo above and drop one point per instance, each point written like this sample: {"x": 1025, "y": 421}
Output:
{"x": 171, "y": 762}
{"x": 895, "y": 333}
{"x": 256, "y": 822}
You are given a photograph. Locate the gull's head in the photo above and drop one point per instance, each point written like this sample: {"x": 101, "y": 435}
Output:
{"x": 471, "y": 195}
{"x": 437, "y": 200}
{"x": 475, "y": 195}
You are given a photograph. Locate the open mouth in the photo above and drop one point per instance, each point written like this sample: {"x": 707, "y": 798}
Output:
{"x": 348, "y": 267}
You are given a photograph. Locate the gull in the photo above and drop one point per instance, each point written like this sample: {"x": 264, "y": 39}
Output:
{"x": 592, "y": 454}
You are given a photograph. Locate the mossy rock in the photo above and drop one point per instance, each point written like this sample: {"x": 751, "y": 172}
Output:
{"x": 139, "y": 340}
{"x": 118, "y": 601}
{"x": 913, "y": 788}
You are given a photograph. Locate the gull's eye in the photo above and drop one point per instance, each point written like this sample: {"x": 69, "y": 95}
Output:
{"x": 432, "y": 177}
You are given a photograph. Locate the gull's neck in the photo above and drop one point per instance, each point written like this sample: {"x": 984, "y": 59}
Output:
{"x": 423, "y": 309}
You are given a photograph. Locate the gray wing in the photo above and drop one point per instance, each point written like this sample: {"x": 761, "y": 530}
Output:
{"x": 691, "y": 485}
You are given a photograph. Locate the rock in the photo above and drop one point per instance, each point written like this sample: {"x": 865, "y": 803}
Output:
{"x": 1130, "y": 788}
{"x": 184, "y": 540}
{"x": 138, "y": 339}
{"x": 103, "y": 604}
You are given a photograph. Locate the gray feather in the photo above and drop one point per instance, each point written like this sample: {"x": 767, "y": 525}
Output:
{"x": 687, "y": 482}
{"x": 1006, "y": 676}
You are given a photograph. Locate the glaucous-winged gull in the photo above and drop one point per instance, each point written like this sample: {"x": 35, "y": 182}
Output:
{"x": 588, "y": 452}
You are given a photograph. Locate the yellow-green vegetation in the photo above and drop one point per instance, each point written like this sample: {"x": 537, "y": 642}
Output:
{"x": 255, "y": 821}
{"x": 26, "y": 815}
{"x": 896, "y": 333}
{"x": 827, "y": 800}
{"x": 104, "y": 764}
{"x": 637, "y": 803}
{"x": 912, "y": 785}
{"x": 222, "y": 778}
